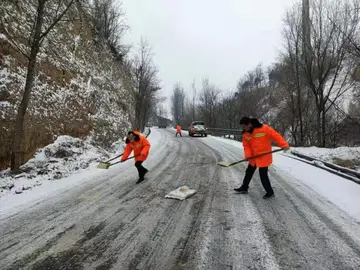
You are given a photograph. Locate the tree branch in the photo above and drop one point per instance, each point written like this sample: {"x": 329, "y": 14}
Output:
{"x": 10, "y": 40}
{"x": 46, "y": 32}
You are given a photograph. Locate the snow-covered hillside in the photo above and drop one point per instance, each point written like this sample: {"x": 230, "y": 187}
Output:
{"x": 64, "y": 157}
{"x": 80, "y": 89}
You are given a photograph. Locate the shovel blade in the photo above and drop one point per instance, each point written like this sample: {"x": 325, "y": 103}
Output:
{"x": 224, "y": 164}
{"x": 104, "y": 165}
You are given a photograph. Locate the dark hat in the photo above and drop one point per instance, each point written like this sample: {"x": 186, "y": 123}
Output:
{"x": 245, "y": 120}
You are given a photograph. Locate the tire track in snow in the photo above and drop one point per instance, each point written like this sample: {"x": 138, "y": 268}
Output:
{"x": 328, "y": 230}
{"x": 125, "y": 232}
{"x": 212, "y": 245}
{"x": 77, "y": 209}
{"x": 175, "y": 232}
{"x": 111, "y": 223}
{"x": 128, "y": 231}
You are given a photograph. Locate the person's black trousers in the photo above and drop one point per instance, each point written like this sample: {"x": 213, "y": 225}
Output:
{"x": 263, "y": 177}
{"x": 140, "y": 168}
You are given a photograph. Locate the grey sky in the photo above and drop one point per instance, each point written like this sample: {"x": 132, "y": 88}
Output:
{"x": 219, "y": 39}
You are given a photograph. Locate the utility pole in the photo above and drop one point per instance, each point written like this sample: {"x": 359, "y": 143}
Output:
{"x": 306, "y": 34}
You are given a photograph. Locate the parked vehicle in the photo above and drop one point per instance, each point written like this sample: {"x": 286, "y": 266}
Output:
{"x": 162, "y": 122}
{"x": 197, "y": 127}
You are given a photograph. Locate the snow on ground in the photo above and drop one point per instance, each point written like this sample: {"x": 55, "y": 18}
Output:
{"x": 228, "y": 137}
{"x": 340, "y": 155}
{"x": 340, "y": 191}
{"x": 70, "y": 162}
{"x": 56, "y": 161}
{"x": 48, "y": 174}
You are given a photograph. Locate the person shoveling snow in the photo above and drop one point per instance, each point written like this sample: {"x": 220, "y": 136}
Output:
{"x": 257, "y": 139}
{"x": 141, "y": 146}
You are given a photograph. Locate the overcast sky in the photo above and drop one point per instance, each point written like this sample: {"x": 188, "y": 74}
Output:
{"x": 218, "y": 39}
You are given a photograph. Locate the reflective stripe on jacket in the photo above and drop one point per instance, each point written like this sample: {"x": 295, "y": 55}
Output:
{"x": 258, "y": 142}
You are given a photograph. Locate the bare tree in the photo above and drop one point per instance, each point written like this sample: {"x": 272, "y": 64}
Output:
{"x": 48, "y": 14}
{"x": 161, "y": 111}
{"x": 326, "y": 63}
{"x": 251, "y": 89}
{"x": 193, "y": 108}
{"x": 178, "y": 103}
{"x": 109, "y": 26}
{"x": 227, "y": 112}
{"x": 352, "y": 12}
{"x": 290, "y": 71}
{"x": 146, "y": 85}
{"x": 208, "y": 102}
{"x": 259, "y": 79}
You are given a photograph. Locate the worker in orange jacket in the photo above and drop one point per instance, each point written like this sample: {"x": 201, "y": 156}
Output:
{"x": 178, "y": 130}
{"x": 141, "y": 147}
{"x": 257, "y": 139}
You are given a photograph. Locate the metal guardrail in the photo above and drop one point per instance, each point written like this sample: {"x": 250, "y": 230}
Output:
{"x": 322, "y": 166}
{"x": 343, "y": 170}
{"x": 219, "y": 131}
{"x": 224, "y": 131}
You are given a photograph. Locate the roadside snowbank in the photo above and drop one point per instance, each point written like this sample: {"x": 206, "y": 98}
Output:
{"x": 343, "y": 156}
{"x": 58, "y": 160}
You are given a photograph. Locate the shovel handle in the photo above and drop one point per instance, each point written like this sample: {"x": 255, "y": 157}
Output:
{"x": 259, "y": 155}
{"x": 124, "y": 160}
{"x": 115, "y": 157}
{"x": 267, "y": 153}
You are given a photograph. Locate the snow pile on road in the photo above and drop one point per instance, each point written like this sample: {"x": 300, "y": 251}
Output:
{"x": 343, "y": 156}
{"x": 58, "y": 160}
{"x": 181, "y": 193}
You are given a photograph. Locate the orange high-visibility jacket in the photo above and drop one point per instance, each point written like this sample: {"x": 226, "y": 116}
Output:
{"x": 178, "y": 128}
{"x": 258, "y": 142}
{"x": 141, "y": 147}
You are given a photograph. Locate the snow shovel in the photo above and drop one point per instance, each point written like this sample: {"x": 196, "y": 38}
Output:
{"x": 106, "y": 164}
{"x": 228, "y": 164}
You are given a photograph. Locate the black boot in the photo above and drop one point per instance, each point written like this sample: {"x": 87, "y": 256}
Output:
{"x": 142, "y": 175}
{"x": 141, "y": 170}
{"x": 140, "y": 180}
{"x": 241, "y": 190}
{"x": 268, "y": 195}
{"x": 248, "y": 175}
{"x": 266, "y": 183}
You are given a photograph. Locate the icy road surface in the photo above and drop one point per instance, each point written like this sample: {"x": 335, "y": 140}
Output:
{"x": 108, "y": 222}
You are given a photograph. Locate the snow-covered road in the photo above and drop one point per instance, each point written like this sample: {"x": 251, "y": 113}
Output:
{"x": 108, "y": 222}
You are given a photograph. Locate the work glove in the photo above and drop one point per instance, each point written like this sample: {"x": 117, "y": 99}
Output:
{"x": 286, "y": 149}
